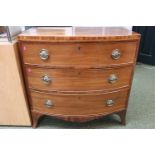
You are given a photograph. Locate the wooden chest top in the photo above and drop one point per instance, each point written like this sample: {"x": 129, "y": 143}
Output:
{"x": 82, "y": 34}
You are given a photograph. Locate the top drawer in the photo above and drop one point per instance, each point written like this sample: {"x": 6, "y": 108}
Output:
{"x": 78, "y": 54}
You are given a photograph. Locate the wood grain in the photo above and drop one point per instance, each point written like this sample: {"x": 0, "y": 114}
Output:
{"x": 78, "y": 34}
{"x": 78, "y": 54}
{"x": 69, "y": 104}
{"x": 79, "y": 118}
{"x": 78, "y": 79}
{"x": 13, "y": 105}
{"x": 79, "y": 63}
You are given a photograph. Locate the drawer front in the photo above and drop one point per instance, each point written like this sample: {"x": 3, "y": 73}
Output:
{"x": 79, "y": 54}
{"x": 91, "y": 104}
{"x": 78, "y": 79}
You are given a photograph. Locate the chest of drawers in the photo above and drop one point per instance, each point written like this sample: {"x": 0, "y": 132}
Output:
{"x": 78, "y": 73}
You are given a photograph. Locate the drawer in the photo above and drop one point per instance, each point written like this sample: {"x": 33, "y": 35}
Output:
{"x": 90, "y": 104}
{"x": 78, "y": 79}
{"x": 79, "y": 54}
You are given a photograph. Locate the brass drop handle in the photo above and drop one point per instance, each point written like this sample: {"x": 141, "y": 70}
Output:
{"x": 46, "y": 79}
{"x": 116, "y": 54}
{"x": 110, "y": 103}
{"x": 49, "y": 103}
{"x": 44, "y": 54}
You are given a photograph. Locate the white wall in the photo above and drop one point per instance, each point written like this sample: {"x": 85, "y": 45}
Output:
{"x": 128, "y": 27}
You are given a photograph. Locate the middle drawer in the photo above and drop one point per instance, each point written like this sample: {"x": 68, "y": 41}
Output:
{"x": 78, "y": 79}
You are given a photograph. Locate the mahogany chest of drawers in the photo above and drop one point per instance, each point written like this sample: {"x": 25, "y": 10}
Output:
{"x": 78, "y": 73}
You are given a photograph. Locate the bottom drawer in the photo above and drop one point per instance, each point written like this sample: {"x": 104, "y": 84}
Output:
{"x": 77, "y": 104}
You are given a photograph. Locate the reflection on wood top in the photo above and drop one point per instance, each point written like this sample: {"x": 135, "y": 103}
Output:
{"x": 62, "y": 34}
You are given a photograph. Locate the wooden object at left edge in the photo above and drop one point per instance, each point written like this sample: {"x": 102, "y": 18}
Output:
{"x": 13, "y": 101}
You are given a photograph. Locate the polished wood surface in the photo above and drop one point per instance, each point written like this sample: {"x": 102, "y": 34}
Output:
{"x": 74, "y": 34}
{"x": 78, "y": 118}
{"x": 13, "y": 104}
{"x": 79, "y": 65}
{"x": 67, "y": 104}
{"x": 78, "y": 79}
{"x": 78, "y": 54}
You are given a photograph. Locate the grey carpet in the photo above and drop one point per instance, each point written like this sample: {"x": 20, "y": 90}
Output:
{"x": 141, "y": 109}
